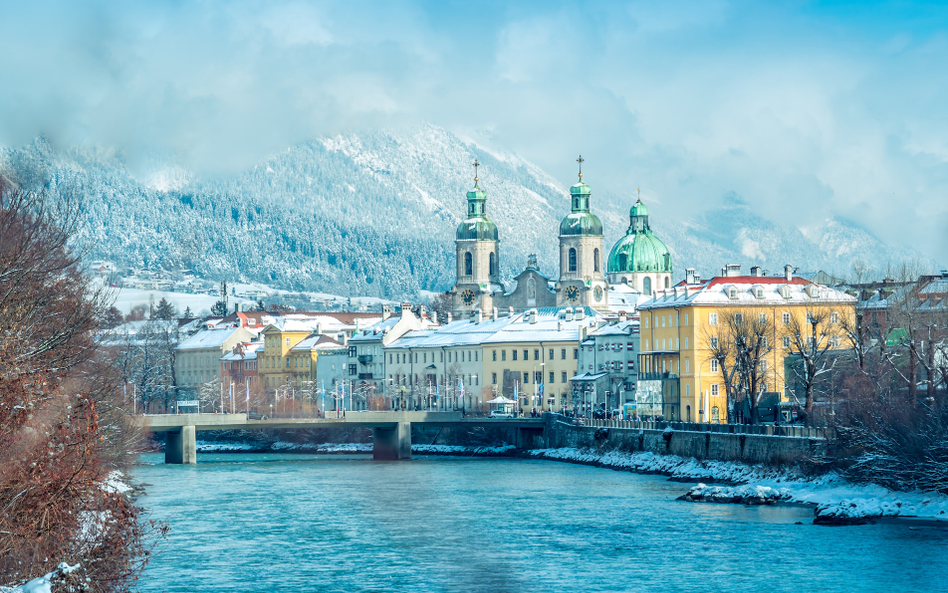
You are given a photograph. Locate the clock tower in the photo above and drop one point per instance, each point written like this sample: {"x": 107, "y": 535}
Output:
{"x": 582, "y": 279}
{"x": 478, "y": 256}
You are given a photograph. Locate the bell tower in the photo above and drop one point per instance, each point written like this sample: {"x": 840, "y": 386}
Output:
{"x": 477, "y": 249}
{"x": 582, "y": 279}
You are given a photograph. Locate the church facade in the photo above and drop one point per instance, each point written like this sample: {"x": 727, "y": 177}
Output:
{"x": 639, "y": 261}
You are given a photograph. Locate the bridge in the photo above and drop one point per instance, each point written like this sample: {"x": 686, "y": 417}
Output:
{"x": 391, "y": 431}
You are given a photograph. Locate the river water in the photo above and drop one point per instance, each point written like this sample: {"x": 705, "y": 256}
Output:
{"x": 298, "y": 523}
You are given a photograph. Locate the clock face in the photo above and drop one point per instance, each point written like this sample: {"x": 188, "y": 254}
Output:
{"x": 598, "y": 293}
{"x": 572, "y": 293}
{"x": 467, "y": 295}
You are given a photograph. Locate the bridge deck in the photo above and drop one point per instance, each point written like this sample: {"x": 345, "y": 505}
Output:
{"x": 174, "y": 422}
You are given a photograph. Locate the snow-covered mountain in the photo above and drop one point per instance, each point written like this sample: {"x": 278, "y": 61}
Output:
{"x": 375, "y": 214}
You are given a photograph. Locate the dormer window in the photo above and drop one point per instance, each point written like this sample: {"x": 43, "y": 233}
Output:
{"x": 758, "y": 292}
{"x": 784, "y": 291}
{"x": 813, "y": 291}
{"x": 731, "y": 292}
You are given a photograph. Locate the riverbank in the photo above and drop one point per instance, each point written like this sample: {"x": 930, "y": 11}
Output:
{"x": 835, "y": 500}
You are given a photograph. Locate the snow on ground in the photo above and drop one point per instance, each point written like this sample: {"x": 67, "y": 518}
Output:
{"x": 128, "y": 298}
{"x": 834, "y": 497}
{"x": 41, "y": 584}
{"x": 207, "y": 447}
{"x": 460, "y": 450}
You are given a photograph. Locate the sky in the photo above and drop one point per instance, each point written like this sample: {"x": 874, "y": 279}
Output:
{"x": 804, "y": 110}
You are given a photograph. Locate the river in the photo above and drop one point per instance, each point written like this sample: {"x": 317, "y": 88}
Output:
{"x": 297, "y": 523}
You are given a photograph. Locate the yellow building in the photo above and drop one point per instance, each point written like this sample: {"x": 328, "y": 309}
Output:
{"x": 289, "y": 355}
{"x": 688, "y": 336}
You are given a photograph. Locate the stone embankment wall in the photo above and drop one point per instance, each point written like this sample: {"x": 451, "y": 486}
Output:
{"x": 692, "y": 440}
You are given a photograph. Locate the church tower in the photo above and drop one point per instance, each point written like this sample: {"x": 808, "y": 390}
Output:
{"x": 582, "y": 272}
{"x": 640, "y": 259}
{"x": 478, "y": 256}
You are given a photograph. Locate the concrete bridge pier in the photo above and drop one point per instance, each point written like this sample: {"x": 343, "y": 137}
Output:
{"x": 181, "y": 446}
{"x": 392, "y": 442}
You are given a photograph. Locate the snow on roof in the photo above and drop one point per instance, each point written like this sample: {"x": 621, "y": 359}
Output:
{"x": 376, "y": 330}
{"x": 249, "y": 352}
{"x": 318, "y": 342}
{"x": 746, "y": 291}
{"x": 208, "y": 338}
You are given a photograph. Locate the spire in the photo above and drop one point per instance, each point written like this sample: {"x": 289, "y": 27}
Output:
{"x": 580, "y": 160}
{"x": 580, "y": 192}
{"x": 476, "y": 198}
{"x": 475, "y": 165}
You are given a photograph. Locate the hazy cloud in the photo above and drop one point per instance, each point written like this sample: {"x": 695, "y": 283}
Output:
{"x": 803, "y": 110}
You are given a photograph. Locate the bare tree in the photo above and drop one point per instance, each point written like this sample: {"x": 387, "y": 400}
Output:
{"x": 740, "y": 343}
{"x": 810, "y": 340}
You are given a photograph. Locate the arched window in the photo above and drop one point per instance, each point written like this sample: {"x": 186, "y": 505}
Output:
{"x": 647, "y": 285}
{"x": 667, "y": 281}
{"x": 468, "y": 264}
{"x": 492, "y": 261}
{"x": 623, "y": 261}
{"x": 571, "y": 266}
{"x": 595, "y": 260}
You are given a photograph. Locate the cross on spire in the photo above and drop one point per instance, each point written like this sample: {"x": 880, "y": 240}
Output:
{"x": 475, "y": 165}
{"x": 580, "y": 160}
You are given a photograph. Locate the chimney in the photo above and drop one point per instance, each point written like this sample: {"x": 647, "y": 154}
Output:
{"x": 406, "y": 310}
{"x": 690, "y": 276}
{"x": 533, "y": 315}
{"x": 569, "y": 313}
{"x": 510, "y": 311}
{"x": 478, "y": 316}
{"x": 449, "y": 317}
{"x": 788, "y": 272}
{"x": 580, "y": 312}
{"x": 732, "y": 270}
{"x": 434, "y": 317}
{"x": 622, "y": 317}
{"x": 422, "y": 310}
{"x": 559, "y": 325}
{"x": 493, "y": 314}
{"x": 386, "y": 312}
{"x": 756, "y": 271}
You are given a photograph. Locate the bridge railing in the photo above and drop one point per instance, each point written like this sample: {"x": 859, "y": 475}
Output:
{"x": 751, "y": 429}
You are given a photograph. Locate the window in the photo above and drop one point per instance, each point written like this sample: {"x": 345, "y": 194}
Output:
{"x": 647, "y": 286}
{"x": 352, "y": 351}
{"x": 713, "y": 319}
{"x": 563, "y": 377}
{"x": 763, "y": 342}
{"x": 563, "y": 354}
{"x": 503, "y": 355}
{"x": 537, "y": 377}
{"x": 739, "y": 318}
{"x": 762, "y": 318}
{"x": 526, "y": 378}
{"x": 714, "y": 365}
{"x": 493, "y": 378}
{"x": 287, "y": 341}
{"x": 552, "y": 377}
{"x": 468, "y": 264}
{"x": 514, "y": 352}
{"x": 713, "y": 342}
{"x": 495, "y": 358}
{"x": 834, "y": 341}
{"x": 575, "y": 353}
{"x": 834, "y": 317}
{"x": 492, "y": 264}
{"x": 629, "y": 346}
{"x": 352, "y": 369}
{"x": 571, "y": 260}
{"x": 687, "y": 366}
{"x": 786, "y": 342}
{"x": 595, "y": 260}
{"x": 526, "y": 354}
{"x": 663, "y": 321}
{"x": 551, "y": 354}
{"x": 786, "y": 318}
{"x": 536, "y": 354}
{"x": 714, "y": 391}
{"x": 809, "y": 317}
{"x": 646, "y": 323}
{"x": 715, "y": 413}
{"x": 686, "y": 319}
{"x": 686, "y": 343}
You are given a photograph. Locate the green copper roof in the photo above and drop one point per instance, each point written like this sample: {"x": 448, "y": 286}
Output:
{"x": 639, "y": 250}
{"x": 478, "y": 229}
{"x": 581, "y": 223}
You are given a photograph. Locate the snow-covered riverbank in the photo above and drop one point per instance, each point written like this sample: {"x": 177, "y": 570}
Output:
{"x": 285, "y": 447}
{"x": 835, "y": 499}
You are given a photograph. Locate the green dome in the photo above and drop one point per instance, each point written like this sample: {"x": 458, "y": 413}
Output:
{"x": 638, "y": 209}
{"x": 581, "y": 223}
{"x": 477, "y": 226}
{"x": 639, "y": 250}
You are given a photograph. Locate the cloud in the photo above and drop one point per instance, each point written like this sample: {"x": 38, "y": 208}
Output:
{"x": 803, "y": 110}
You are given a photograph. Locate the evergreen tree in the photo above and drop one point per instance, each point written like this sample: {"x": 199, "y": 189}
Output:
{"x": 112, "y": 318}
{"x": 187, "y": 313}
{"x": 165, "y": 310}
{"x": 219, "y": 309}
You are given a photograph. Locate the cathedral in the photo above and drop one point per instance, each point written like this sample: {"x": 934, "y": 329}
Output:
{"x": 638, "y": 263}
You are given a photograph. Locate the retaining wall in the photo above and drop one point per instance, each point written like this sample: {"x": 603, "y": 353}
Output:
{"x": 700, "y": 444}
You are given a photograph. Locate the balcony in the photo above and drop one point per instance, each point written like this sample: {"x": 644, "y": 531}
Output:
{"x": 365, "y": 375}
{"x": 365, "y": 358}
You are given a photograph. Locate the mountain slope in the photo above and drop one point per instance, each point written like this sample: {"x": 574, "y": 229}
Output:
{"x": 375, "y": 214}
